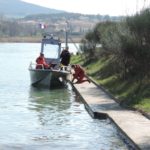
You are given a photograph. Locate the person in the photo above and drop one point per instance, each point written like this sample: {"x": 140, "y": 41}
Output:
{"x": 79, "y": 74}
{"x": 41, "y": 62}
{"x": 65, "y": 57}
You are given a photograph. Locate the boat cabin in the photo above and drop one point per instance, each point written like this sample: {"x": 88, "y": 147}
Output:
{"x": 51, "y": 48}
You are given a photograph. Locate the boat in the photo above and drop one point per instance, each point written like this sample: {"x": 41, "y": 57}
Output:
{"x": 56, "y": 75}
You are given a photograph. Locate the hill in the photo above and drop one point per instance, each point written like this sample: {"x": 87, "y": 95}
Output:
{"x": 21, "y": 19}
{"x": 18, "y": 8}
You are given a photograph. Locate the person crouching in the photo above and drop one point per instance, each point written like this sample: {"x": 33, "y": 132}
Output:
{"x": 79, "y": 74}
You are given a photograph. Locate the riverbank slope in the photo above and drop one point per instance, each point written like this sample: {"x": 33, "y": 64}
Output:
{"x": 130, "y": 93}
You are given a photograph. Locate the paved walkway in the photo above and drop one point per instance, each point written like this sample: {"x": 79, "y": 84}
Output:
{"x": 131, "y": 123}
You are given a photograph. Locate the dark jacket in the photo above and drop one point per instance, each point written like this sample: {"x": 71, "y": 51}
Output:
{"x": 65, "y": 57}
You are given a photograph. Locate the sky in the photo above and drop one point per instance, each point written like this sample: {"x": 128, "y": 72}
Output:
{"x": 101, "y": 7}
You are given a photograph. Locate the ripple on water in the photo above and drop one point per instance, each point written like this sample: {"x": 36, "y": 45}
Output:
{"x": 42, "y": 119}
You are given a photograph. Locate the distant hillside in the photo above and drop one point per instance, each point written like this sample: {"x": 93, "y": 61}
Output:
{"x": 17, "y": 8}
{"x": 79, "y": 24}
{"x": 29, "y": 18}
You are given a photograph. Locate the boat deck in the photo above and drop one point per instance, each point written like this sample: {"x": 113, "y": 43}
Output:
{"x": 132, "y": 124}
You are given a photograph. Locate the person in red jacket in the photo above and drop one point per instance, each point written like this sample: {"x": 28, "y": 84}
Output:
{"x": 41, "y": 62}
{"x": 79, "y": 74}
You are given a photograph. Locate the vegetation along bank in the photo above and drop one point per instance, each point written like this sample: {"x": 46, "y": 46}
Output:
{"x": 117, "y": 56}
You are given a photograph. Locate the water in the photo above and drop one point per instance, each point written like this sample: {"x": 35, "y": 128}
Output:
{"x": 42, "y": 119}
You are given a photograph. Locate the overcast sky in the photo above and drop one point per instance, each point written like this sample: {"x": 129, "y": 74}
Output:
{"x": 102, "y": 7}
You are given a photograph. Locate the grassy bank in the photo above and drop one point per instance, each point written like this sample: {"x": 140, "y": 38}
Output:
{"x": 132, "y": 92}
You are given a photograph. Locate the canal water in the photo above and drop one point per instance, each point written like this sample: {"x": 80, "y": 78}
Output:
{"x": 42, "y": 119}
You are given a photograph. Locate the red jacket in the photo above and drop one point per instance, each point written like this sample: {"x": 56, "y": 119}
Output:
{"x": 41, "y": 61}
{"x": 79, "y": 71}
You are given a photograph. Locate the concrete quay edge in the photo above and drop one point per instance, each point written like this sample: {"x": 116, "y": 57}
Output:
{"x": 107, "y": 107}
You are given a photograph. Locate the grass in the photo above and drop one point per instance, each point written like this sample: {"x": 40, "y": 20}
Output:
{"x": 144, "y": 104}
{"x": 77, "y": 59}
{"x": 130, "y": 93}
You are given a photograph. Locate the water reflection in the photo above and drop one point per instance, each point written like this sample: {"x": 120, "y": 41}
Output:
{"x": 65, "y": 123}
{"x": 41, "y": 119}
{"x": 51, "y": 105}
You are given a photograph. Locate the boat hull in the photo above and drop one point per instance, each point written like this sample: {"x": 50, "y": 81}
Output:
{"x": 48, "y": 78}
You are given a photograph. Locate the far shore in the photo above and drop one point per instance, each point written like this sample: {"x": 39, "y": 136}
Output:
{"x": 32, "y": 40}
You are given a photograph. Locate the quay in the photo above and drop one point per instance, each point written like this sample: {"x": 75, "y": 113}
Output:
{"x": 131, "y": 124}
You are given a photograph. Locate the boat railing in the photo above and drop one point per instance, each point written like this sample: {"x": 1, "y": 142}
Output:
{"x": 36, "y": 66}
{"x": 58, "y": 67}
{"x": 65, "y": 68}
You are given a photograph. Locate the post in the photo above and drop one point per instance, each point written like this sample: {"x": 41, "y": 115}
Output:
{"x": 66, "y": 42}
{"x": 66, "y": 36}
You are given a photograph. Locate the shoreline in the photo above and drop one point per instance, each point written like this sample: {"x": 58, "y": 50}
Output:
{"x": 32, "y": 40}
{"x": 131, "y": 125}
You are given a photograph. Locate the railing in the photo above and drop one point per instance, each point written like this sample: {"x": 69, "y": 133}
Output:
{"x": 36, "y": 66}
{"x": 41, "y": 66}
{"x": 65, "y": 68}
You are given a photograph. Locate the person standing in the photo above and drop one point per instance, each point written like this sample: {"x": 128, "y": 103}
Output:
{"x": 65, "y": 57}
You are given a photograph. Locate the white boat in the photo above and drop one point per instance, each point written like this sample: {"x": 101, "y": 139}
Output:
{"x": 56, "y": 75}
